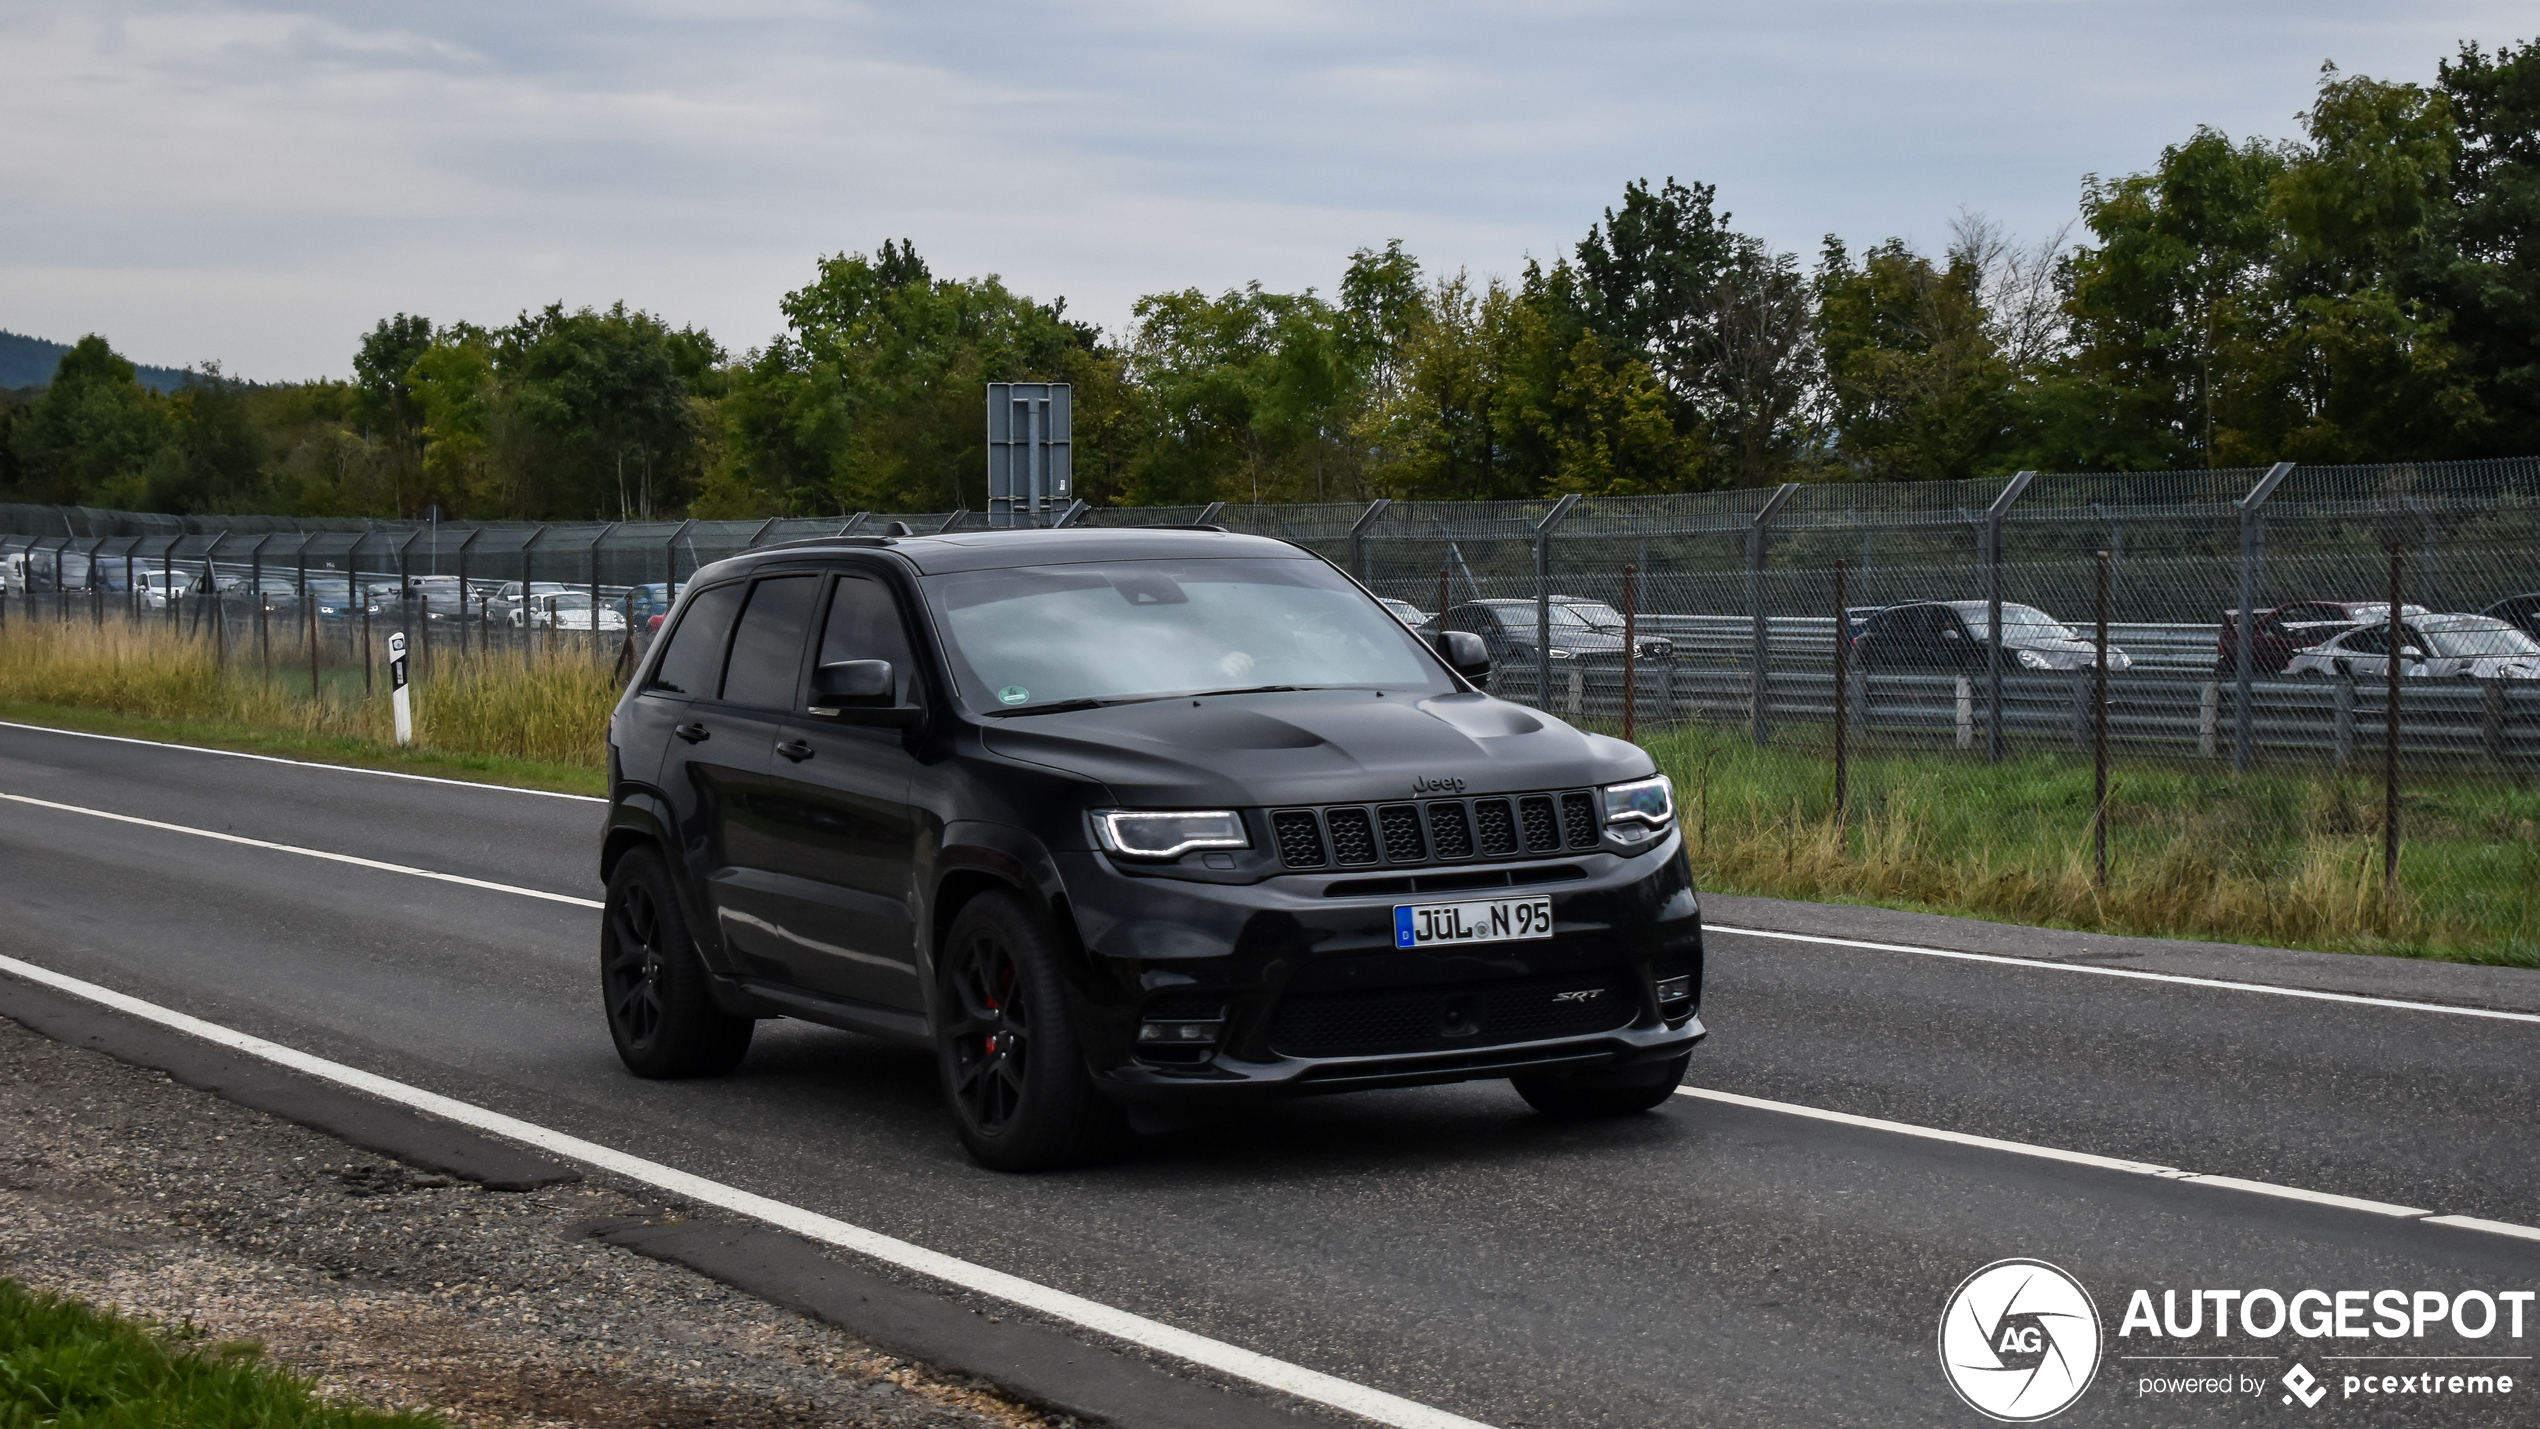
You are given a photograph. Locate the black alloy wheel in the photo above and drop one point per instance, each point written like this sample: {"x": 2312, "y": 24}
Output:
{"x": 653, "y": 987}
{"x": 1012, "y": 1067}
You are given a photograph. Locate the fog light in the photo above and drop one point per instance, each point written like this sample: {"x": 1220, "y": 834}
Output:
{"x": 1675, "y": 989}
{"x": 1177, "y": 1034}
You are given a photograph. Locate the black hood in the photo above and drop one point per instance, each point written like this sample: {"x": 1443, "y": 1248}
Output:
{"x": 1315, "y": 747}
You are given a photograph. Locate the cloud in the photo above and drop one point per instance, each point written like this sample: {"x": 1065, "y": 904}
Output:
{"x": 260, "y": 182}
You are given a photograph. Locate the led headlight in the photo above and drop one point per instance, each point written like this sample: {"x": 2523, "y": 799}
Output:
{"x": 1558, "y": 653}
{"x": 1139, "y": 833}
{"x": 2035, "y": 661}
{"x": 1636, "y": 811}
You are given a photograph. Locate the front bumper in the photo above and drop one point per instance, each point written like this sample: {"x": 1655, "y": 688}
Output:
{"x": 1310, "y": 994}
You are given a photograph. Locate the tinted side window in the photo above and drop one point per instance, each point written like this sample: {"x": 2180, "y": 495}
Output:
{"x": 2366, "y": 642}
{"x": 694, "y": 660}
{"x": 767, "y": 651}
{"x": 864, "y": 624}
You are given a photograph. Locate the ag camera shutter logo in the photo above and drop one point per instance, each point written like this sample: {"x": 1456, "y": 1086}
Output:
{"x": 2019, "y": 1341}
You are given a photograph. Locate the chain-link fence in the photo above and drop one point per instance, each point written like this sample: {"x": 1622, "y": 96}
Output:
{"x": 1911, "y": 692}
{"x": 1731, "y": 600}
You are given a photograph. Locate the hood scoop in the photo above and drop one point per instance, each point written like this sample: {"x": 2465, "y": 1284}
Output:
{"x": 1480, "y": 717}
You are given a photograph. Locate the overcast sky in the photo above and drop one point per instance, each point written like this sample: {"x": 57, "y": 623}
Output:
{"x": 258, "y": 184}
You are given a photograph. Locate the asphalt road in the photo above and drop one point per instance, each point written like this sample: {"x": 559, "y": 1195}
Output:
{"x": 1707, "y": 1264}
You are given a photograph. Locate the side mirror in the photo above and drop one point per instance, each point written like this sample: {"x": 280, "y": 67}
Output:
{"x": 1464, "y": 653}
{"x": 860, "y": 692}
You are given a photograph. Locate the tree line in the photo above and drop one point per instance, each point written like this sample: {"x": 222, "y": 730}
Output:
{"x": 2369, "y": 291}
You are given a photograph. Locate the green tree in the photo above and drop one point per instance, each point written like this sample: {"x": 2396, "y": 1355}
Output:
{"x": 2162, "y": 306}
{"x": 95, "y": 433}
{"x": 871, "y": 398}
{"x": 2487, "y": 275}
{"x": 1917, "y": 387}
{"x": 603, "y": 389}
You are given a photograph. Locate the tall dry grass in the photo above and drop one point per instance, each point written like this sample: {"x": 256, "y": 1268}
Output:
{"x": 2289, "y": 859}
{"x": 555, "y": 712}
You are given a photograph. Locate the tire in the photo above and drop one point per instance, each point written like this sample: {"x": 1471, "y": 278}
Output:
{"x": 1012, "y": 1066}
{"x": 1579, "y": 1098}
{"x": 653, "y": 985}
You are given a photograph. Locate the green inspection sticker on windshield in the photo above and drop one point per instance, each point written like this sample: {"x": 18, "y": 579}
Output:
{"x": 1014, "y": 694}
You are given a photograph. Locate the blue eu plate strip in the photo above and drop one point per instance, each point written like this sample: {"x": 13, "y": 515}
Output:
{"x": 1402, "y": 928}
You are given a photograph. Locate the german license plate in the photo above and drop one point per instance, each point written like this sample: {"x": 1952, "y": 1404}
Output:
{"x": 1497, "y": 920}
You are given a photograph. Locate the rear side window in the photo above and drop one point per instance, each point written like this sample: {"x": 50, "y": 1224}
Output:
{"x": 694, "y": 660}
{"x": 767, "y": 651}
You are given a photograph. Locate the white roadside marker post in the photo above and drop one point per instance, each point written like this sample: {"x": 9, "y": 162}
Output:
{"x": 398, "y": 699}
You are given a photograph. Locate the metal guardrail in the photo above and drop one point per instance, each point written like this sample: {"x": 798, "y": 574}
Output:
{"x": 2318, "y": 722}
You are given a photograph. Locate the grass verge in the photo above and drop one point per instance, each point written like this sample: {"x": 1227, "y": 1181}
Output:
{"x": 66, "y": 1365}
{"x": 489, "y": 720}
{"x": 2285, "y": 858}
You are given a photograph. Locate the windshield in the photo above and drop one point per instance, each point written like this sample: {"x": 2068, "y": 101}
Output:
{"x": 1033, "y": 636}
{"x": 1587, "y": 615}
{"x": 2483, "y": 640}
{"x": 2019, "y": 622}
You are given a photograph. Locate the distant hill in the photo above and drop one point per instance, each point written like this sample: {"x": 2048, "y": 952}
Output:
{"x": 29, "y": 362}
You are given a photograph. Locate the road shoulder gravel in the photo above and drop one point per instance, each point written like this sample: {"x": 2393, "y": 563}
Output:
{"x": 407, "y": 1287}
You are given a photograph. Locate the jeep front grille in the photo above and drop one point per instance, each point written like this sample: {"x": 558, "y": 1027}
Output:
{"x": 1436, "y": 830}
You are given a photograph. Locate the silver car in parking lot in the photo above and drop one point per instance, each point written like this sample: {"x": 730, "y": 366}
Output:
{"x": 2437, "y": 647}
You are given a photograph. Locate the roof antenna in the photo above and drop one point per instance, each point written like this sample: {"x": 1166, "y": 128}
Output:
{"x": 897, "y": 528}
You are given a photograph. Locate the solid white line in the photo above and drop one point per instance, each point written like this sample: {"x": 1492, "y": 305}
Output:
{"x": 326, "y": 854}
{"x": 2473, "y": 1223}
{"x": 2110, "y": 1163}
{"x": 1228, "y": 1359}
{"x": 1933, "y": 1133}
{"x": 2133, "y": 973}
{"x": 303, "y": 763}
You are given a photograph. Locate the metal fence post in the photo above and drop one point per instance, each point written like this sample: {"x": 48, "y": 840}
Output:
{"x": 670, "y": 560}
{"x": 528, "y": 645}
{"x": 1631, "y": 645}
{"x": 769, "y": 525}
{"x": 96, "y": 584}
{"x": 210, "y": 603}
{"x": 461, "y": 553}
{"x": 2253, "y": 546}
{"x": 406, "y": 584}
{"x": 1543, "y": 597}
{"x": 595, "y": 585}
{"x": 1358, "y": 563}
{"x": 2099, "y": 730}
{"x": 1842, "y": 690}
{"x": 256, "y": 590}
{"x": 1759, "y": 678}
{"x": 1993, "y": 612}
{"x": 2390, "y": 755}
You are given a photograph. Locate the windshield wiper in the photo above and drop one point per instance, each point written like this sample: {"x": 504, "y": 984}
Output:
{"x": 1246, "y": 690}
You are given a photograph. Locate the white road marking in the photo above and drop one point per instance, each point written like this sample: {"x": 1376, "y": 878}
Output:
{"x": 2111, "y": 1163}
{"x": 2473, "y": 1223}
{"x": 1093, "y": 1315}
{"x": 327, "y": 854}
{"x": 2133, "y": 973}
{"x": 2017, "y": 1148}
{"x": 303, "y": 763}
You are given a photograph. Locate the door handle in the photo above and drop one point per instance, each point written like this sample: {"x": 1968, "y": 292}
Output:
{"x": 795, "y": 750}
{"x": 692, "y": 731}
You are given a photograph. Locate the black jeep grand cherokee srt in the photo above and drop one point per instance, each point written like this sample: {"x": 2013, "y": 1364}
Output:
{"x": 1116, "y": 816}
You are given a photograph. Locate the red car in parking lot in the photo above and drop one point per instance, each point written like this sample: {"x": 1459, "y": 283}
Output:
{"x": 2276, "y": 635}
